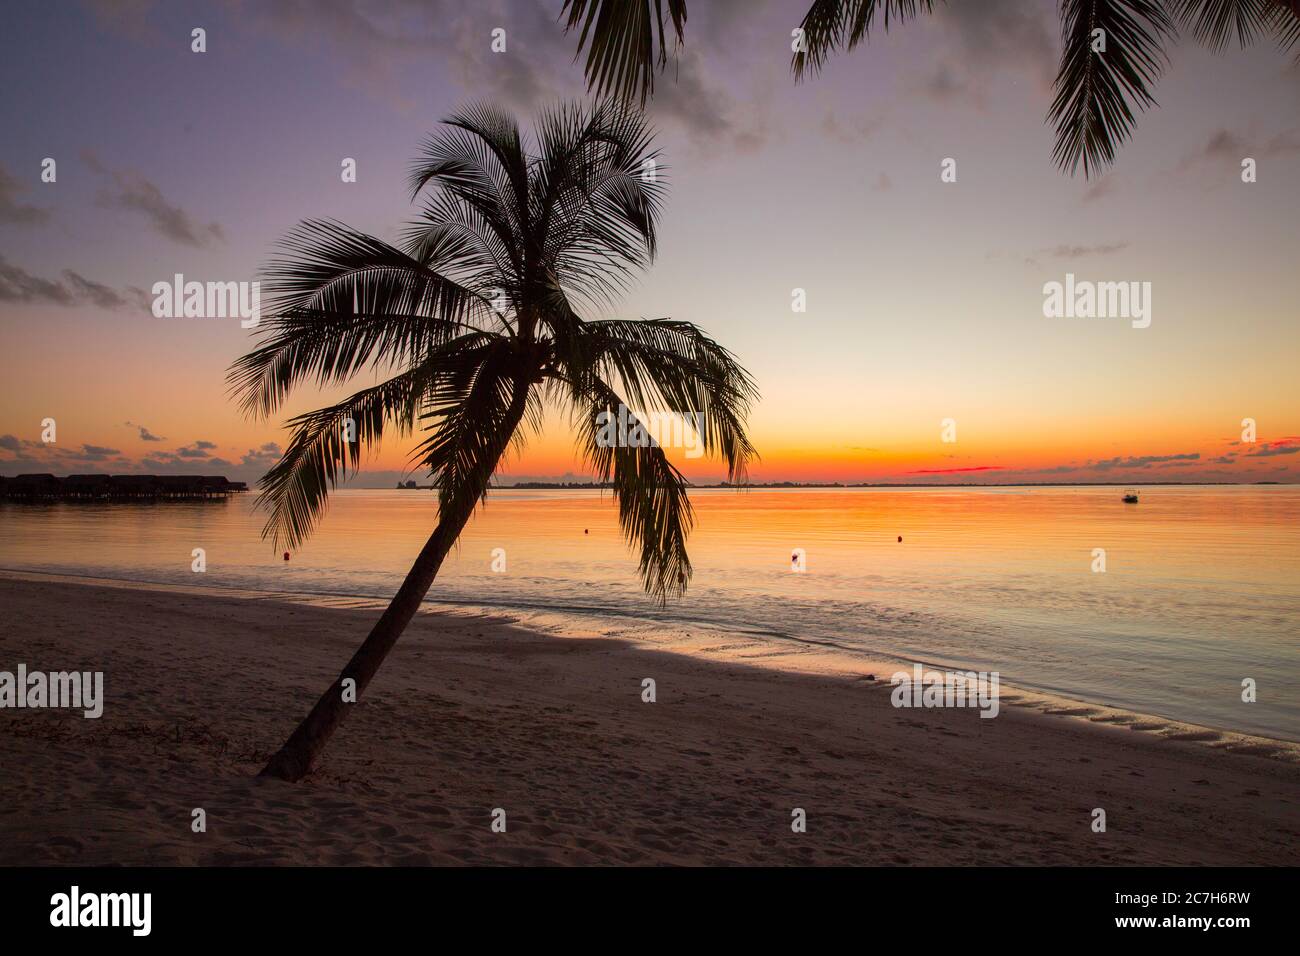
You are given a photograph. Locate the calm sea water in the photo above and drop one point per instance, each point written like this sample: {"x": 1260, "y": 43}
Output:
{"x": 1201, "y": 588}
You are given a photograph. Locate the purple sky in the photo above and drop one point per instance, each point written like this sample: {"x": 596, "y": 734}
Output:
{"x": 924, "y": 298}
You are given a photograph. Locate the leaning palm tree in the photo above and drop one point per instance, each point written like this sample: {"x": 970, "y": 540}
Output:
{"x": 477, "y": 313}
{"x": 1098, "y": 84}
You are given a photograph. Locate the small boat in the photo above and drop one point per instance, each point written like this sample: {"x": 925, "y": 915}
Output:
{"x": 1130, "y": 497}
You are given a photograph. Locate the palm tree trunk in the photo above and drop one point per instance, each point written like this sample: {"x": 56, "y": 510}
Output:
{"x": 296, "y": 757}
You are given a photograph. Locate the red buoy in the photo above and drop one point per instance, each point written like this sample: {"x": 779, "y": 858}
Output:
{"x": 286, "y": 556}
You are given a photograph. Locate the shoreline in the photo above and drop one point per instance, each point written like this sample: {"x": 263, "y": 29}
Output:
{"x": 473, "y": 712}
{"x": 764, "y": 650}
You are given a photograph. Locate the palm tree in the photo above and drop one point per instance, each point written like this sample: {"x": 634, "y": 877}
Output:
{"x": 1096, "y": 91}
{"x": 477, "y": 313}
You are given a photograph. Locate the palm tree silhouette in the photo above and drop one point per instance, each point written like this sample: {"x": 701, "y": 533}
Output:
{"x": 477, "y": 313}
{"x": 1096, "y": 89}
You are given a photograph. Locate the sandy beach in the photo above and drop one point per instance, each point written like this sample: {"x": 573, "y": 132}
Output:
{"x": 473, "y": 713}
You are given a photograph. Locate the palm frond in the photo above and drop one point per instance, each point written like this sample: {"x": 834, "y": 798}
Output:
{"x": 595, "y": 206}
{"x": 654, "y": 510}
{"x": 1286, "y": 23}
{"x": 296, "y": 489}
{"x": 625, "y": 47}
{"x": 831, "y": 24}
{"x": 468, "y": 419}
{"x": 478, "y": 160}
{"x": 1215, "y": 22}
{"x": 666, "y": 365}
{"x": 320, "y": 455}
{"x": 340, "y": 301}
{"x": 1095, "y": 91}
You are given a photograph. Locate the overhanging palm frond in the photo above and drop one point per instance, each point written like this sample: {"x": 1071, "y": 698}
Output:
{"x": 665, "y": 365}
{"x": 1215, "y": 22}
{"x": 466, "y": 420}
{"x": 320, "y": 453}
{"x": 1287, "y": 23}
{"x": 654, "y": 510}
{"x": 625, "y": 46}
{"x": 831, "y": 24}
{"x": 1095, "y": 90}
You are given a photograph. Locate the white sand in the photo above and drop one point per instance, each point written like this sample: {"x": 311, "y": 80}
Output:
{"x": 471, "y": 713}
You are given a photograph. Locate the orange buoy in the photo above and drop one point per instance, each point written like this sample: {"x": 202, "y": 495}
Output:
{"x": 900, "y": 538}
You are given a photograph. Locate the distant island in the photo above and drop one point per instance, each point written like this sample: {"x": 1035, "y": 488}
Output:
{"x": 606, "y": 486}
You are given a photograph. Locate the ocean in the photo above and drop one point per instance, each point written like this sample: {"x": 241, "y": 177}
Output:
{"x": 1200, "y": 588}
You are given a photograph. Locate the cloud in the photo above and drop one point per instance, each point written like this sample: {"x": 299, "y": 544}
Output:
{"x": 263, "y": 457}
{"x": 146, "y": 435}
{"x": 1067, "y": 251}
{"x": 200, "y": 449}
{"x": 375, "y": 42}
{"x": 850, "y": 131}
{"x": 19, "y": 285}
{"x": 133, "y": 192}
{"x": 1074, "y": 251}
{"x": 97, "y": 452}
{"x": 1271, "y": 450}
{"x": 993, "y": 33}
{"x": 11, "y": 210}
{"x": 1224, "y": 145}
{"x": 101, "y": 295}
{"x": 953, "y": 471}
{"x": 1143, "y": 461}
{"x": 983, "y": 40}
{"x": 129, "y": 17}
{"x": 10, "y": 443}
{"x": 689, "y": 98}
{"x": 942, "y": 84}
{"x": 1100, "y": 188}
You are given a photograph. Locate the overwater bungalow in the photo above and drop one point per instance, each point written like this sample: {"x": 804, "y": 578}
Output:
{"x": 35, "y": 487}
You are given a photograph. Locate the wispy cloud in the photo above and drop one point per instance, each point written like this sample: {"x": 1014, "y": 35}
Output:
{"x": 19, "y": 285}
{"x": 1071, "y": 251}
{"x": 375, "y": 43}
{"x": 131, "y": 191}
{"x": 953, "y": 471}
{"x": 1229, "y": 146}
{"x": 13, "y": 211}
{"x": 1273, "y": 449}
{"x": 1139, "y": 461}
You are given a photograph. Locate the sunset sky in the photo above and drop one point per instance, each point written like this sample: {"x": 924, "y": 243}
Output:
{"x": 925, "y": 299}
